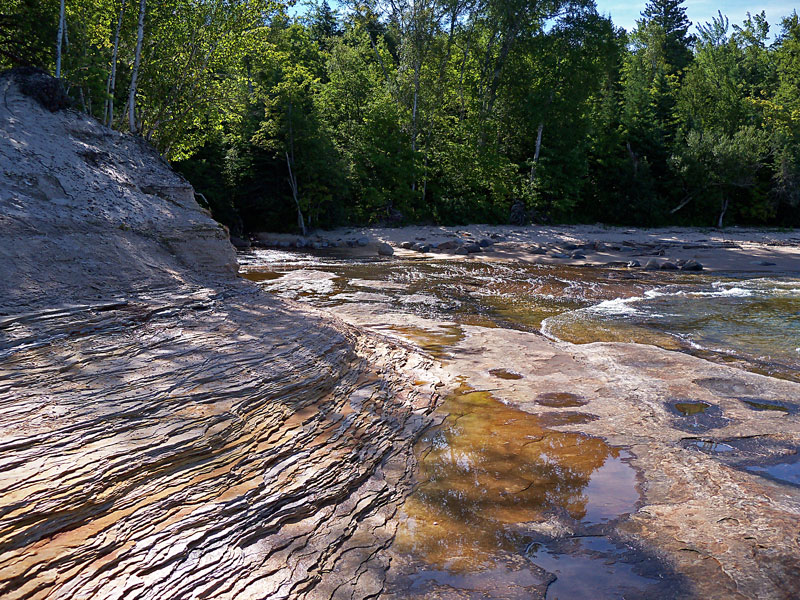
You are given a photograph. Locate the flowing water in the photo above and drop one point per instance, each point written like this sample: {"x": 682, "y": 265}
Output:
{"x": 508, "y": 507}
{"x": 746, "y": 320}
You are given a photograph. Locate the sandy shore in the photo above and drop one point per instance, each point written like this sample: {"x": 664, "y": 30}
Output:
{"x": 734, "y": 249}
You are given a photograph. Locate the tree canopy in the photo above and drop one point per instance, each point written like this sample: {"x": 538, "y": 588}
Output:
{"x": 444, "y": 111}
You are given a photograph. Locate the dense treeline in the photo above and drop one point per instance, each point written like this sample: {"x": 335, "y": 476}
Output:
{"x": 439, "y": 110}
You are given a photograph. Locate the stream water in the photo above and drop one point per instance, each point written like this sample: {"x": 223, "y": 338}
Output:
{"x": 508, "y": 507}
{"x": 746, "y": 319}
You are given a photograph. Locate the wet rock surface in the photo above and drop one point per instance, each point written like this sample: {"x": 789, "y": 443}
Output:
{"x": 717, "y": 508}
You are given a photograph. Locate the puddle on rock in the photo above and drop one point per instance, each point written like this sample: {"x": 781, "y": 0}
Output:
{"x": 558, "y": 419}
{"x": 433, "y": 341}
{"x": 713, "y": 447}
{"x": 560, "y": 400}
{"x": 697, "y": 416}
{"x": 765, "y": 405}
{"x": 589, "y": 568}
{"x": 504, "y": 374}
{"x": 690, "y": 409}
{"x": 491, "y": 475}
{"x": 787, "y": 471}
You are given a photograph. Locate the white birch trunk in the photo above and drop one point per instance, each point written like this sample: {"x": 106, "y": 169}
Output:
{"x": 112, "y": 76}
{"x": 135, "y": 73}
{"x": 61, "y": 19}
{"x": 721, "y": 220}
{"x": 536, "y": 152}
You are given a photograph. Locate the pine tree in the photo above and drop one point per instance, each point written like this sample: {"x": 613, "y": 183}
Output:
{"x": 324, "y": 24}
{"x": 670, "y": 16}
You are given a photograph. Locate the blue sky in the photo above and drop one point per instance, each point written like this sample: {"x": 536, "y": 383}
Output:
{"x": 625, "y": 14}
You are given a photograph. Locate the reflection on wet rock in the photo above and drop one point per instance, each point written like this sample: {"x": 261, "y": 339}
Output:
{"x": 488, "y": 475}
{"x": 688, "y": 409}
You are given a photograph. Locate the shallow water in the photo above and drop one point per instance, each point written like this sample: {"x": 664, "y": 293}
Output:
{"x": 587, "y": 569}
{"x": 750, "y": 321}
{"x": 493, "y": 483}
{"x": 507, "y": 507}
{"x": 786, "y": 471}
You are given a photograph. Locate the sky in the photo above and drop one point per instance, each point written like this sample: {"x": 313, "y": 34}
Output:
{"x": 624, "y": 14}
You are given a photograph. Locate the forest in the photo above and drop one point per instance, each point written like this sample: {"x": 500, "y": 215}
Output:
{"x": 392, "y": 112}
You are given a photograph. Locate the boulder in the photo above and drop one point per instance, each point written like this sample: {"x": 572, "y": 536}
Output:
{"x": 462, "y": 250}
{"x": 362, "y": 241}
{"x": 691, "y": 265}
{"x": 634, "y": 264}
{"x": 406, "y": 245}
{"x": 518, "y": 215}
{"x": 537, "y": 250}
{"x": 473, "y": 248}
{"x": 485, "y": 243}
{"x": 669, "y": 266}
{"x": 651, "y": 265}
{"x": 385, "y": 250}
{"x": 41, "y": 87}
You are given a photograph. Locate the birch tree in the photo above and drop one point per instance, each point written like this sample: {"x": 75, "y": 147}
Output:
{"x": 135, "y": 72}
{"x": 112, "y": 75}
{"x": 60, "y": 37}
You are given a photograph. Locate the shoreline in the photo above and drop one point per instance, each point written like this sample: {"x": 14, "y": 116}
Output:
{"x": 730, "y": 250}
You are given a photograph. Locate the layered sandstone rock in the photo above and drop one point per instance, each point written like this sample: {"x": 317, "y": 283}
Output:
{"x": 167, "y": 430}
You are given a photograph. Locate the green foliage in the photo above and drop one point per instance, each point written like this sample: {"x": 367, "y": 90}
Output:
{"x": 28, "y": 33}
{"x": 442, "y": 111}
{"x": 722, "y": 169}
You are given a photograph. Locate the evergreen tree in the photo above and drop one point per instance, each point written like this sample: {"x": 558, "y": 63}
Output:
{"x": 670, "y": 17}
{"x": 323, "y": 24}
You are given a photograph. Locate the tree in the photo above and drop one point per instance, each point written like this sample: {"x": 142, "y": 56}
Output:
{"x": 60, "y": 38}
{"x": 135, "y": 73}
{"x": 112, "y": 75}
{"x": 27, "y": 28}
{"x": 718, "y": 168}
{"x": 670, "y": 17}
